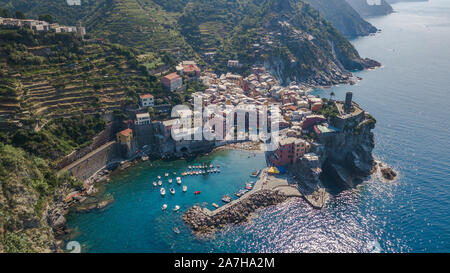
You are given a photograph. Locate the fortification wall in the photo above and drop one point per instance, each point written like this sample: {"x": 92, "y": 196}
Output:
{"x": 95, "y": 161}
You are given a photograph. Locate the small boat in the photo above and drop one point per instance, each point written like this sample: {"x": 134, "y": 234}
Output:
{"x": 159, "y": 176}
{"x": 210, "y": 165}
{"x": 215, "y": 205}
{"x": 184, "y": 188}
{"x": 189, "y": 167}
{"x": 155, "y": 184}
{"x": 178, "y": 180}
{"x": 248, "y": 186}
{"x": 144, "y": 158}
{"x": 256, "y": 173}
{"x": 226, "y": 198}
{"x": 176, "y": 208}
{"x": 218, "y": 165}
{"x": 174, "y": 173}
{"x": 197, "y": 192}
{"x": 164, "y": 207}
{"x": 162, "y": 191}
{"x": 172, "y": 190}
{"x": 170, "y": 181}
{"x": 160, "y": 183}
{"x": 167, "y": 174}
{"x": 176, "y": 230}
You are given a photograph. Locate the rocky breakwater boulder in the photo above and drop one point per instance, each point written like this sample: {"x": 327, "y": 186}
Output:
{"x": 385, "y": 172}
{"x": 95, "y": 203}
{"x": 202, "y": 220}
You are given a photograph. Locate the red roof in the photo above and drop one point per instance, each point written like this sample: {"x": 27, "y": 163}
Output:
{"x": 126, "y": 132}
{"x": 146, "y": 96}
{"x": 191, "y": 68}
{"x": 172, "y": 76}
{"x": 290, "y": 107}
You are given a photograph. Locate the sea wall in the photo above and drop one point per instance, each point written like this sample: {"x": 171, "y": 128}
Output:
{"x": 87, "y": 166}
{"x": 101, "y": 139}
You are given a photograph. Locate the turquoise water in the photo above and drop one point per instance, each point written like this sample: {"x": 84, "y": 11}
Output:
{"x": 409, "y": 97}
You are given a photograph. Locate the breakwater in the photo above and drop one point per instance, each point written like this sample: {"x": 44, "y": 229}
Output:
{"x": 267, "y": 191}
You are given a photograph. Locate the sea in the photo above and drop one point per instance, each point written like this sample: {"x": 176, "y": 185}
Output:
{"x": 409, "y": 96}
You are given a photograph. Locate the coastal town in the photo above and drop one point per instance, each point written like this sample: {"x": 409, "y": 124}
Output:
{"x": 308, "y": 127}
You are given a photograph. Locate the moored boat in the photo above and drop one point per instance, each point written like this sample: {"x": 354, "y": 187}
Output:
{"x": 256, "y": 173}
{"x": 172, "y": 191}
{"x": 155, "y": 184}
{"x": 164, "y": 207}
{"x": 162, "y": 191}
{"x": 170, "y": 181}
{"x": 160, "y": 183}
{"x": 178, "y": 180}
{"x": 176, "y": 208}
{"x": 184, "y": 188}
{"x": 197, "y": 192}
{"x": 226, "y": 198}
{"x": 215, "y": 205}
{"x": 176, "y": 230}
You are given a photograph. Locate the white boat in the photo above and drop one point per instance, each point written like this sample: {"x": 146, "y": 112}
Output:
{"x": 164, "y": 207}
{"x": 170, "y": 181}
{"x": 178, "y": 180}
{"x": 159, "y": 176}
{"x": 176, "y": 230}
{"x": 172, "y": 190}
{"x": 176, "y": 208}
{"x": 184, "y": 188}
{"x": 167, "y": 174}
{"x": 162, "y": 191}
{"x": 160, "y": 183}
{"x": 215, "y": 205}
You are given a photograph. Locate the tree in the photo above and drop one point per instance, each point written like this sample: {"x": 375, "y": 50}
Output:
{"x": 5, "y": 13}
{"x": 332, "y": 95}
{"x": 47, "y": 18}
{"x": 19, "y": 15}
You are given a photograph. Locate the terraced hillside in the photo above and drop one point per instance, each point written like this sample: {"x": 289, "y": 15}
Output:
{"x": 49, "y": 75}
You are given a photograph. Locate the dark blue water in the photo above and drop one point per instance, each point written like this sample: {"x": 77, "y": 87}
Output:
{"x": 410, "y": 99}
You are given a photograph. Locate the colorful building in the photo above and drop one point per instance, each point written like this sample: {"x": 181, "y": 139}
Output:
{"x": 290, "y": 150}
{"x": 146, "y": 100}
{"x": 172, "y": 81}
{"x": 125, "y": 137}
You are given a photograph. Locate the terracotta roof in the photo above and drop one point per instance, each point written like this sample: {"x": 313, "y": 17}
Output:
{"x": 191, "y": 68}
{"x": 126, "y": 132}
{"x": 172, "y": 76}
{"x": 146, "y": 96}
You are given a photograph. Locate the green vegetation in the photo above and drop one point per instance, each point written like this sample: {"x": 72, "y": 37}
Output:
{"x": 190, "y": 28}
{"x": 27, "y": 185}
{"x": 329, "y": 110}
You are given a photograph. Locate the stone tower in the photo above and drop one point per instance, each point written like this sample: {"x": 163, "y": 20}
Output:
{"x": 348, "y": 102}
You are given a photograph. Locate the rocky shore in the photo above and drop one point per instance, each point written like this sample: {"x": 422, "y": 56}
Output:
{"x": 203, "y": 221}
{"x": 250, "y": 146}
{"x": 384, "y": 172}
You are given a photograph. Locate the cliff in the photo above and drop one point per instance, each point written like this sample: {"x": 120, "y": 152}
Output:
{"x": 345, "y": 156}
{"x": 343, "y": 17}
{"x": 366, "y": 10}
